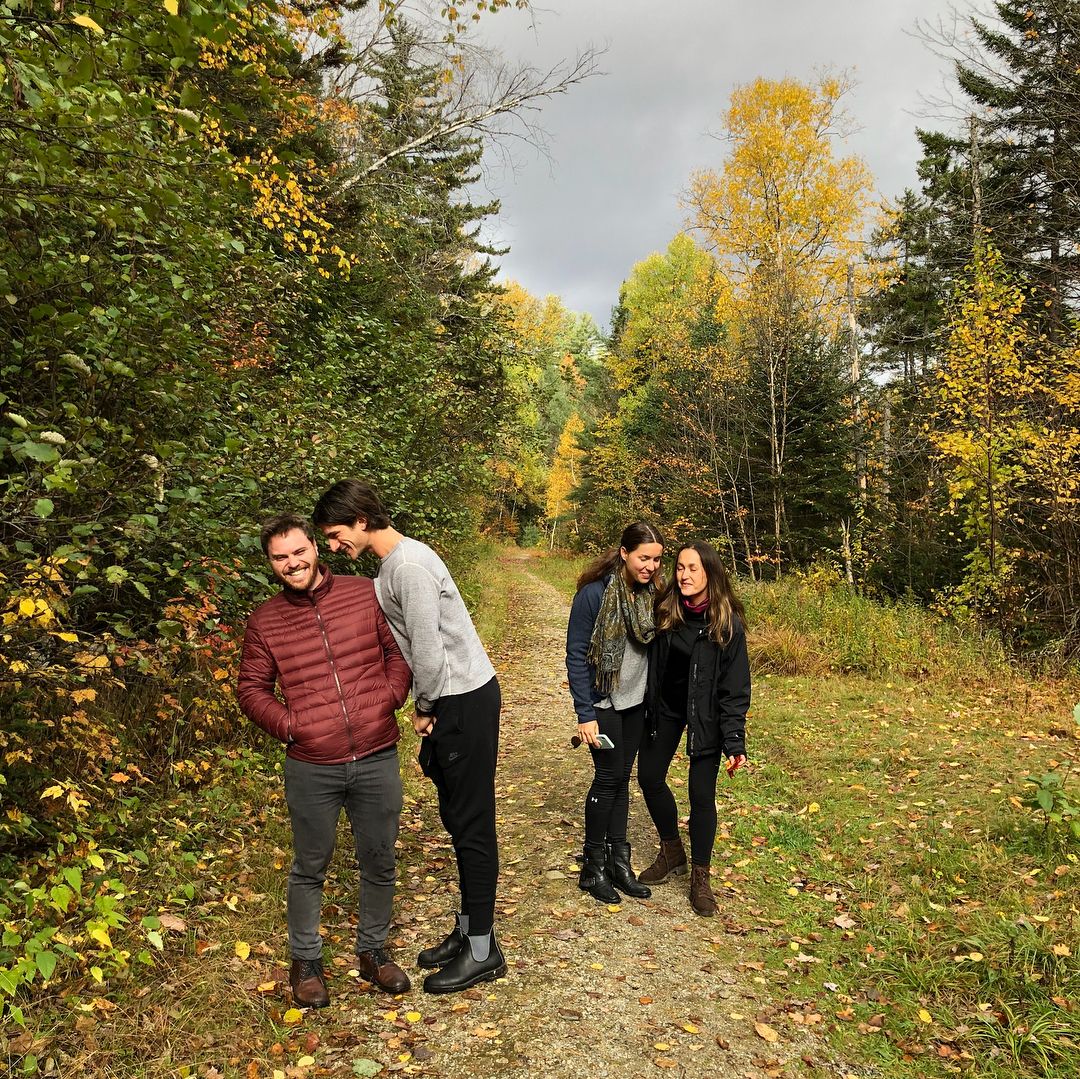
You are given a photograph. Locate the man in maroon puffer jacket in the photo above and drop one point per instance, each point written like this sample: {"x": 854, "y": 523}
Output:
{"x": 325, "y": 643}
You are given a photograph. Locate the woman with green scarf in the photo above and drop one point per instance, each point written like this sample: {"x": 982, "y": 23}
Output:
{"x": 607, "y": 639}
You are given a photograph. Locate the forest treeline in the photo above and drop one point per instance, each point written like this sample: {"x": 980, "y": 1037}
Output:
{"x": 809, "y": 375}
{"x": 242, "y": 257}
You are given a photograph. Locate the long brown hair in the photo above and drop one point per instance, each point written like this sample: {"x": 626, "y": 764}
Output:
{"x": 633, "y": 537}
{"x": 724, "y": 605}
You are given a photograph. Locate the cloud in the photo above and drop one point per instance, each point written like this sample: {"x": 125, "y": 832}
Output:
{"x": 623, "y": 144}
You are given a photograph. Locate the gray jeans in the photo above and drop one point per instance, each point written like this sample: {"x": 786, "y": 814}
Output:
{"x": 370, "y": 791}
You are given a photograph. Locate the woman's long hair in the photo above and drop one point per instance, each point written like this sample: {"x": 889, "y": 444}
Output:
{"x": 633, "y": 537}
{"x": 724, "y": 605}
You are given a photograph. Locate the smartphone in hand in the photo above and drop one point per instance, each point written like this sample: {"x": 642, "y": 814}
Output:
{"x": 602, "y": 741}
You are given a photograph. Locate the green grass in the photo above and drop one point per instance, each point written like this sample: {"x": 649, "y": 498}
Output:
{"x": 888, "y": 755}
{"x": 889, "y": 803}
{"x": 482, "y": 586}
{"x": 811, "y": 624}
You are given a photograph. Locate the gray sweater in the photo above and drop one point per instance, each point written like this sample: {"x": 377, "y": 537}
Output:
{"x": 431, "y": 624}
{"x": 633, "y": 673}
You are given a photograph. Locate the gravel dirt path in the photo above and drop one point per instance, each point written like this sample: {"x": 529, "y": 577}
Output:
{"x": 645, "y": 988}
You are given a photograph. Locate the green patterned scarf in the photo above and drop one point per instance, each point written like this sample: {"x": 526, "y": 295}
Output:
{"x": 623, "y": 611}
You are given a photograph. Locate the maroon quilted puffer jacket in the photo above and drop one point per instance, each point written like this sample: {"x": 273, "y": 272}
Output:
{"x": 339, "y": 668}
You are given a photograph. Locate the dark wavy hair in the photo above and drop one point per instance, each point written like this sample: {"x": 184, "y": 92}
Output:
{"x": 724, "y": 605}
{"x": 633, "y": 537}
{"x": 349, "y": 501}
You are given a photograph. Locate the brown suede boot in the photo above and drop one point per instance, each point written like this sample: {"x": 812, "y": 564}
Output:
{"x": 701, "y": 894}
{"x": 670, "y": 862}
{"x": 308, "y": 983}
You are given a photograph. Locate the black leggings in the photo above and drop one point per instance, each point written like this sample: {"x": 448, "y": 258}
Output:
{"x": 656, "y": 755}
{"x": 607, "y": 805}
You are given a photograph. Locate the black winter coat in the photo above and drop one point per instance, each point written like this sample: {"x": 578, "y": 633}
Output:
{"x": 718, "y": 694}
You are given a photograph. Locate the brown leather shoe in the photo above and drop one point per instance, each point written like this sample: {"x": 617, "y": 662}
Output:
{"x": 379, "y": 969}
{"x": 308, "y": 983}
{"x": 670, "y": 862}
{"x": 701, "y": 894}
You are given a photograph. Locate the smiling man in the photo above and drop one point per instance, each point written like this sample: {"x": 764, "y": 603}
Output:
{"x": 457, "y": 704}
{"x": 323, "y": 641}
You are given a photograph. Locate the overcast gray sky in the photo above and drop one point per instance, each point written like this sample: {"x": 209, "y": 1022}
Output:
{"x": 623, "y": 144}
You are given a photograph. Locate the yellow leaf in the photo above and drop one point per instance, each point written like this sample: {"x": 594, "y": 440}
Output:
{"x": 305, "y": 1062}
{"x": 813, "y": 807}
{"x": 292, "y": 1017}
{"x": 1061, "y": 950}
{"x": 26, "y": 608}
{"x": 413, "y": 1017}
{"x": 266, "y": 987}
{"x": 242, "y": 949}
{"x": 765, "y": 1031}
{"x": 120, "y": 777}
{"x": 614, "y": 908}
{"x": 85, "y": 20}
{"x": 67, "y": 638}
{"x": 81, "y": 695}
{"x": 662, "y": 1047}
{"x": 87, "y": 659}
{"x": 171, "y": 6}
{"x": 390, "y": 1017}
{"x": 55, "y": 791}
{"x": 101, "y": 935}
{"x": 925, "y": 1016}
{"x": 690, "y": 1028}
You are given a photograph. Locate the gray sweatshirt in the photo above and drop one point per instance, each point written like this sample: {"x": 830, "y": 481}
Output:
{"x": 431, "y": 624}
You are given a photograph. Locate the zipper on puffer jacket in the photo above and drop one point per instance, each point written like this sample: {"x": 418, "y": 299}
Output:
{"x": 333, "y": 670}
{"x": 691, "y": 701}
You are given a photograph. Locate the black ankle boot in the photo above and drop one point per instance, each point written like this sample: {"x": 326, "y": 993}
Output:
{"x": 594, "y": 877}
{"x": 463, "y": 971}
{"x": 441, "y": 954}
{"x": 622, "y": 876}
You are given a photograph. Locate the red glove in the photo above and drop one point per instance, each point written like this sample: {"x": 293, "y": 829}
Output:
{"x": 735, "y": 763}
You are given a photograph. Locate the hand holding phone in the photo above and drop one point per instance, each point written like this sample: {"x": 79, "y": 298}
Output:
{"x": 602, "y": 740}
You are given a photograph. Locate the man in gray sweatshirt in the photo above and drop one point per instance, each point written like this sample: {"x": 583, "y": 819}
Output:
{"x": 456, "y": 714}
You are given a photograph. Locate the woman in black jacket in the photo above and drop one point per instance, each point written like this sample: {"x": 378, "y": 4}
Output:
{"x": 607, "y": 639}
{"x": 699, "y": 681}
